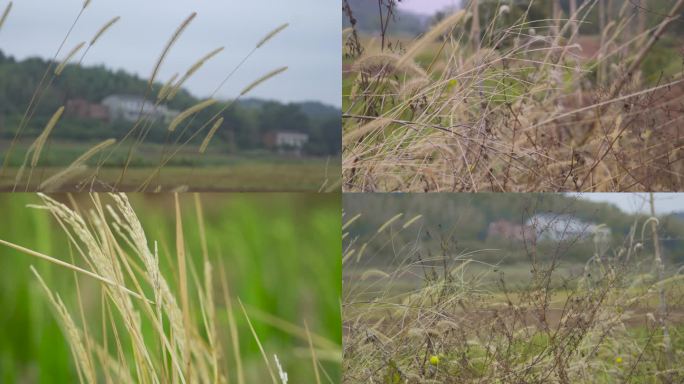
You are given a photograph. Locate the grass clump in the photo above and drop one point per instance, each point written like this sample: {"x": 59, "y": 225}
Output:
{"x": 445, "y": 316}
{"x": 520, "y": 104}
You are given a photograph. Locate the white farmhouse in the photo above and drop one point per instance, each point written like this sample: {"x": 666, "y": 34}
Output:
{"x": 285, "y": 141}
{"x": 128, "y": 108}
{"x": 556, "y": 227}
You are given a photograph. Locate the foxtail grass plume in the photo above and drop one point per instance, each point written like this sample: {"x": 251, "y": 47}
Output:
{"x": 189, "y": 112}
{"x": 272, "y": 34}
{"x": 5, "y": 14}
{"x": 212, "y": 132}
{"x": 63, "y": 64}
{"x": 167, "y": 48}
{"x": 77, "y": 167}
{"x": 173, "y": 91}
{"x": 53, "y": 183}
{"x": 164, "y": 91}
{"x": 92, "y": 151}
{"x": 262, "y": 79}
{"x": 104, "y": 29}
{"x": 40, "y": 141}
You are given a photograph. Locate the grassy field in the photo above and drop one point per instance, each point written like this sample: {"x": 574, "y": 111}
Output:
{"x": 427, "y": 316}
{"x": 519, "y": 105}
{"x": 280, "y": 255}
{"x": 213, "y": 171}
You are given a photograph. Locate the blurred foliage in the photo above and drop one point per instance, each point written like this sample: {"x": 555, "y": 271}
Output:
{"x": 281, "y": 254}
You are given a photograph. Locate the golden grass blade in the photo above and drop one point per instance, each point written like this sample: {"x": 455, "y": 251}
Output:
{"x": 189, "y": 112}
{"x": 261, "y": 347}
{"x": 314, "y": 360}
{"x": 72, "y": 333}
{"x": 234, "y": 335}
{"x": 71, "y": 267}
{"x": 183, "y": 279}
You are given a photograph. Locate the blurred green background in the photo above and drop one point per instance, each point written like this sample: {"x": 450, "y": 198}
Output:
{"x": 282, "y": 255}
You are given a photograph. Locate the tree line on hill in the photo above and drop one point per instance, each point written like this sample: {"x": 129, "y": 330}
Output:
{"x": 245, "y": 123}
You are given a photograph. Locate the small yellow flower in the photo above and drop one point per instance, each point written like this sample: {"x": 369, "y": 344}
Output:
{"x": 434, "y": 360}
{"x": 618, "y": 360}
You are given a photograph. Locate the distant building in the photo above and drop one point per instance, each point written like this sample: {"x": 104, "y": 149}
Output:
{"x": 566, "y": 227}
{"x": 504, "y": 229}
{"x": 284, "y": 141}
{"x": 83, "y": 109}
{"x": 128, "y": 108}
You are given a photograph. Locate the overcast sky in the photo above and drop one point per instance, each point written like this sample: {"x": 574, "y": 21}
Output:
{"x": 427, "y": 7}
{"x": 310, "y": 47}
{"x": 638, "y": 202}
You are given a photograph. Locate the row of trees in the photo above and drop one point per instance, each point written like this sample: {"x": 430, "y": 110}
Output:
{"x": 244, "y": 127}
